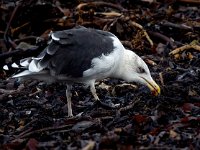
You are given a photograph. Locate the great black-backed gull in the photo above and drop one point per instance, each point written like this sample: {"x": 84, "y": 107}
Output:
{"x": 84, "y": 55}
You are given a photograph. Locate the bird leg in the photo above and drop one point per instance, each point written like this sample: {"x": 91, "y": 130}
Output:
{"x": 93, "y": 91}
{"x": 97, "y": 100}
{"x": 69, "y": 102}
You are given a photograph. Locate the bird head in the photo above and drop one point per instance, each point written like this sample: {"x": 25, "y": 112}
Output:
{"x": 137, "y": 71}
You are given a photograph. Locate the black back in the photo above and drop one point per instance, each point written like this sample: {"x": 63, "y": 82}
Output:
{"x": 73, "y": 53}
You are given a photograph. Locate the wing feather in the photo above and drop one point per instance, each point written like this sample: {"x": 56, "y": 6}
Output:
{"x": 71, "y": 52}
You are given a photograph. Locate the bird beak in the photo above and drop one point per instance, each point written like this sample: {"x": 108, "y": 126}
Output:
{"x": 153, "y": 86}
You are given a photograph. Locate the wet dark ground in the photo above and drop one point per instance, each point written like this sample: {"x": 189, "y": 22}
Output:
{"x": 33, "y": 114}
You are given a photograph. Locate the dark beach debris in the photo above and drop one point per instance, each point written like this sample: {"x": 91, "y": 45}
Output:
{"x": 33, "y": 114}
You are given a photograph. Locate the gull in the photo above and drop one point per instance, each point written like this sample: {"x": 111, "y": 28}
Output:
{"x": 86, "y": 55}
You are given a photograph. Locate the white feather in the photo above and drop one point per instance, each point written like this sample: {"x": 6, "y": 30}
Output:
{"x": 25, "y": 62}
{"x": 5, "y": 67}
{"x": 106, "y": 65}
{"x": 34, "y": 67}
{"x": 14, "y": 65}
{"x": 21, "y": 74}
{"x": 37, "y": 58}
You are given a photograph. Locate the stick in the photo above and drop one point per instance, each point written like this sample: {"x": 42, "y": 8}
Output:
{"x": 100, "y": 3}
{"x": 185, "y": 47}
{"x": 108, "y": 14}
{"x": 89, "y": 146}
{"x": 42, "y": 130}
{"x": 179, "y": 26}
{"x": 189, "y": 1}
{"x": 162, "y": 37}
{"x": 7, "y": 40}
{"x": 128, "y": 107}
{"x": 134, "y": 24}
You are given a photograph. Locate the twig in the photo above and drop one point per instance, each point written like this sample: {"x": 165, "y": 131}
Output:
{"x": 158, "y": 137}
{"x": 20, "y": 27}
{"x": 89, "y": 146}
{"x": 4, "y": 93}
{"x": 128, "y": 107}
{"x": 26, "y": 128}
{"x": 25, "y": 131}
{"x": 150, "y": 62}
{"x": 98, "y": 4}
{"x": 110, "y": 24}
{"x": 162, "y": 37}
{"x": 42, "y": 130}
{"x": 68, "y": 23}
{"x": 8, "y": 92}
{"x": 108, "y": 14}
{"x": 36, "y": 92}
{"x": 9, "y": 54}
{"x": 7, "y": 40}
{"x": 20, "y": 52}
{"x": 189, "y": 1}
{"x": 185, "y": 47}
{"x": 122, "y": 85}
{"x": 26, "y": 38}
{"x": 179, "y": 26}
{"x": 134, "y": 24}
{"x": 97, "y": 21}
{"x": 161, "y": 78}
{"x": 60, "y": 131}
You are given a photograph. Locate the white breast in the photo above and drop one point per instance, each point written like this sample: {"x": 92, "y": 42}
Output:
{"x": 105, "y": 65}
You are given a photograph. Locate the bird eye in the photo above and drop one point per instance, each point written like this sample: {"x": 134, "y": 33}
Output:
{"x": 140, "y": 70}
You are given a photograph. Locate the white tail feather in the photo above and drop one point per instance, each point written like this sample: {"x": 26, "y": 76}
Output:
{"x": 42, "y": 76}
{"x": 22, "y": 74}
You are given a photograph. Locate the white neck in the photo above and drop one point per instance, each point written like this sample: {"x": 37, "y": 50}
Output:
{"x": 123, "y": 65}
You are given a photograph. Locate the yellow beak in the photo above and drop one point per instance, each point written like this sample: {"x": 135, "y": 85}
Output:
{"x": 153, "y": 86}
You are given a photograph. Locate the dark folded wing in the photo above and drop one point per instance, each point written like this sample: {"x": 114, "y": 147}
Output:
{"x": 70, "y": 52}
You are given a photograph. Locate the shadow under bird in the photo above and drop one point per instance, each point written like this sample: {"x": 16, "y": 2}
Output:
{"x": 84, "y": 55}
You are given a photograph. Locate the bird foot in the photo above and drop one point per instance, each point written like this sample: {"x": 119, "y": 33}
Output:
{"x": 70, "y": 116}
